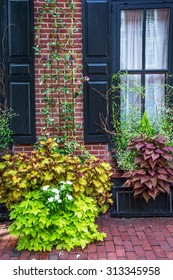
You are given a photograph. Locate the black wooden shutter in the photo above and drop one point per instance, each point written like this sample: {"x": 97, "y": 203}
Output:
{"x": 96, "y": 60}
{"x": 20, "y": 68}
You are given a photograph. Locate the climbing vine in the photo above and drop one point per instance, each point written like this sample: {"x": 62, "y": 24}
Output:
{"x": 61, "y": 81}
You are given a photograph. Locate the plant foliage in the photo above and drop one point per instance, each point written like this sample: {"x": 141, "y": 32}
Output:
{"x": 20, "y": 174}
{"x": 154, "y": 172}
{"x": 40, "y": 229}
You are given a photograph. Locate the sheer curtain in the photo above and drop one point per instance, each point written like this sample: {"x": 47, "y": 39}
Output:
{"x": 156, "y": 57}
{"x": 156, "y": 53}
{"x": 130, "y": 59}
{"x": 131, "y": 39}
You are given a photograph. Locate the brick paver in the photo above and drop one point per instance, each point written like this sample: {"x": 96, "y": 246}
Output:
{"x": 127, "y": 239}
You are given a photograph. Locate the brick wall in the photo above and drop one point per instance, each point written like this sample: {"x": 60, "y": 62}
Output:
{"x": 99, "y": 150}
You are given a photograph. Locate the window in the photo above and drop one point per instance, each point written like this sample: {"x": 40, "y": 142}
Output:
{"x": 144, "y": 52}
{"x": 125, "y": 35}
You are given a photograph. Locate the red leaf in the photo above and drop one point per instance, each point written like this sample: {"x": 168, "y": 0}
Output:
{"x": 159, "y": 151}
{"x": 154, "y": 181}
{"x": 163, "y": 177}
{"x": 137, "y": 160}
{"x": 146, "y": 196}
{"x": 170, "y": 171}
{"x": 155, "y": 156}
{"x": 168, "y": 149}
{"x": 140, "y": 172}
{"x": 167, "y": 157}
{"x": 144, "y": 179}
{"x": 127, "y": 174}
{"x": 151, "y": 172}
{"x": 152, "y": 163}
{"x": 139, "y": 146}
{"x": 149, "y": 185}
{"x": 162, "y": 171}
{"x": 150, "y": 146}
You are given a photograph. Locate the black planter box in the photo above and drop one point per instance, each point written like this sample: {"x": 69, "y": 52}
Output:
{"x": 4, "y": 213}
{"x": 125, "y": 205}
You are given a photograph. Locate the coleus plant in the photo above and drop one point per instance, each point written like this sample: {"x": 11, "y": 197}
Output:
{"x": 154, "y": 174}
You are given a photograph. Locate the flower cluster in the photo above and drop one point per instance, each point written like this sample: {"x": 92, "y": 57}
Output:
{"x": 58, "y": 196}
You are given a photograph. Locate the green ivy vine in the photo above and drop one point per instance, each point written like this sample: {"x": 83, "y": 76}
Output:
{"x": 60, "y": 78}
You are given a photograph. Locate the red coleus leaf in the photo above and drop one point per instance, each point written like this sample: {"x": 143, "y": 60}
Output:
{"x": 162, "y": 177}
{"x": 148, "y": 152}
{"x": 137, "y": 160}
{"x": 139, "y": 191}
{"x": 152, "y": 163}
{"x": 159, "y": 151}
{"x": 150, "y": 146}
{"x": 146, "y": 156}
{"x": 136, "y": 178}
{"x": 127, "y": 174}
{"x": 170, "y": 171}
{"x": 144, "y": 179}
{"x": 146, "y": 196}
{"x": 127, "y": 183}
{"x": 164, "y": 188}
{"x": 153, "y": 193}
{"x": 138, "y": 172}
{"x": 149, "y": 185}
{"x": 167, "y": 157}
{"x": 155, "y": 156}
{"x": 139, "y": 146}
{"x": 162, "y": 171}
{"x": 151, "y": 172}
{"x": 154, "y": 181}
{"x": 137, "y": 185}
{"x": 168, "y": 149}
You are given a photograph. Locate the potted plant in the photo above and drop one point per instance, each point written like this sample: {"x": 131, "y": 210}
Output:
{"x": 143, "y": 151}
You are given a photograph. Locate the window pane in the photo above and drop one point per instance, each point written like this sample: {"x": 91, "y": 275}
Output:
{"x": 131, "y": 39}
{"x": 154, "y": 95}
{"x": 130, "y": 96}
{"x": 157, "y": 28}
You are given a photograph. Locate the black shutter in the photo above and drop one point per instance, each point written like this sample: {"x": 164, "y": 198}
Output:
{"x": 96, "y": 59}
{"x": 20, "y": 68}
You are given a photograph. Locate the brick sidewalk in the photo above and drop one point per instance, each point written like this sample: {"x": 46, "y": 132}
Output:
{"x": 127, "y": 239}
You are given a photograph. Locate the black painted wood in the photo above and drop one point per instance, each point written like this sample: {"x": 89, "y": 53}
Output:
{"x": 18, "y": 24}
{"x": 97, "y": 65}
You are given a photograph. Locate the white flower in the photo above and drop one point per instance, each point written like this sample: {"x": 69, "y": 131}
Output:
{"x": 50, "y": 199}
{"x": 56, "y": 197}
{"x": 45, "y": 188}
{"x": 55, "y": 190}
{"x": 68, "y": 183}
{"x": 69, "y": 197}
{"x": 59, "y": 200}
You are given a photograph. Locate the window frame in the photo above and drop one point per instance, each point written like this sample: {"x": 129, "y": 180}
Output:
{"x": 117, "y": 7}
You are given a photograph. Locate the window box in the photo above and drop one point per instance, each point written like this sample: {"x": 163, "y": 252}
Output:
{"x": 124, "y": 204}
{"x": 4, "y": 213}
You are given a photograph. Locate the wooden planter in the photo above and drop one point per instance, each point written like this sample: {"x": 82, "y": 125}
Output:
{"x": 125, "y": 205}
{"x": 4, "y": 213}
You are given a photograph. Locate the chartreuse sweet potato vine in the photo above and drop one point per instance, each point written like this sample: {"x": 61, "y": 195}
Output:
{"x": 20, "y": 174}
{"x": 40, "y": 228}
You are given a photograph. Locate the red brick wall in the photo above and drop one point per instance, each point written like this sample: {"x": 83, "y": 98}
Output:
{"x": 99, "y": 150}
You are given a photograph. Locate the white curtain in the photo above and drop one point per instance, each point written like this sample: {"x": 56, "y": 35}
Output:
{"x": 131, "y": 39}
{"x": 156, "y": 45}
{"x": 156, "y": 57}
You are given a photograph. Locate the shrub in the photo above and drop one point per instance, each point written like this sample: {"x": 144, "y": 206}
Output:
{"x": 40, "y": 228}
{"x": 20, "y": 174}
{"x": 154, "y": 172}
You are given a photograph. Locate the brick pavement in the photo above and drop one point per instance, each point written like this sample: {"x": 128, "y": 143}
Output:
{"x": 127, "y": 239}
